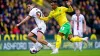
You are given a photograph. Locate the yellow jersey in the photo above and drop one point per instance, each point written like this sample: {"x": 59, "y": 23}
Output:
{"x": 59, "y": 14}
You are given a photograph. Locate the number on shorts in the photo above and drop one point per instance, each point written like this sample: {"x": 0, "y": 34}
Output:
{"x": 62, "y": 28}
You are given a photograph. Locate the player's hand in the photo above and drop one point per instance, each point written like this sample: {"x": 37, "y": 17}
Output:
{"x": 68, "y": 3}
{"x": 84, "y": 30}
{"x": 18, "y": 25}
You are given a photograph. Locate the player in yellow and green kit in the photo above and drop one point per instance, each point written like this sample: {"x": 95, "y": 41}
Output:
{"x": 59, "y": 14}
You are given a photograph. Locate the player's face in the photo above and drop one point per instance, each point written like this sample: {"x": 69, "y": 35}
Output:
{"x": 29, "y": 7}
{"x": 53, "y": 5}
{"x": 77, "y": 12}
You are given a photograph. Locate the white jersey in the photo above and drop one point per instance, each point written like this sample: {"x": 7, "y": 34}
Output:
{"x": 33, "y": 13}
{"x": 40, "y": 23}
{"x": 78, "y": 24}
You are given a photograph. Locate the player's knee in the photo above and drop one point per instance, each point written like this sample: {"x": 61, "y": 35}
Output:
{"x": 69, "y": 37}
{"x": 29, "y": 36}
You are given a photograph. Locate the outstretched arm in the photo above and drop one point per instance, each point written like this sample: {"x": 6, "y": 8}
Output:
{"x": 47, "y": 18}
{"x": 23, "y": 21}
{"x": 70, "y": 9}
{"x": 44, "y": 18}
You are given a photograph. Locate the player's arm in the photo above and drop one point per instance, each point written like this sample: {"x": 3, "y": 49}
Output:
{"x": 47, "y": 18}
{"x": 23, "y": 21}
{"x": 69, "y": 9}
{"x": 84, "y": 25}
{"x": 27, "y": 18}
{"x": 44, "y": 18}
{"x": 71, "y": 22}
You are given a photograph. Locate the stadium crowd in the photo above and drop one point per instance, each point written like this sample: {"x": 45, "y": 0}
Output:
{"x": 13, "y": 11}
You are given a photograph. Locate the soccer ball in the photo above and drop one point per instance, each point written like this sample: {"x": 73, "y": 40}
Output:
{"x": 33, "y": 50}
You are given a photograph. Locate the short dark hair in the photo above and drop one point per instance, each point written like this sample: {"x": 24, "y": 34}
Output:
{"x": 29, "y": 2}
{"x": 54, "y": 1}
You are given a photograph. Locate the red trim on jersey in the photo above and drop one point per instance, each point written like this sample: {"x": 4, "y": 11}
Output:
{"x": 77, "y": 22}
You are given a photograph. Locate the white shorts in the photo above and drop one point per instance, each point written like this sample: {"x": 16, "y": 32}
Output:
{"x": 78, "y": 33}
{"x": 41, "y": 29}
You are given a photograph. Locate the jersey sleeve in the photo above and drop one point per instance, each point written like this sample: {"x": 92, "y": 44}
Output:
{"x": 47, "y": 18}
{"x": 50, "y": 15}
{"x": 31, "y": 13}
{"x": 72, "y": 17}
{"x": 64, "y": 9}
{"x": 83, "y": 17}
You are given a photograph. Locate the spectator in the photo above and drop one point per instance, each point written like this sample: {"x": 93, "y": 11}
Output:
{"x": 16, "y": 30}
{"x": 93, "y": 35}
{"x": 16, "y": 10}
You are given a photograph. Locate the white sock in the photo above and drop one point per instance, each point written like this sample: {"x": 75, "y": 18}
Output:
{"x": 75, "y": 46}
{"x": 49, "y": 45}
{"x": 80, "y": 46}
{"x": 57, "y": 49}
{"x": 38, "y": 44}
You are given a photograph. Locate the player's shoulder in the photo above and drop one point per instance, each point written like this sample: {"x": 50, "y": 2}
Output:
{"x": 34, "y": 9}
{"x": 73, "y": 15}
{"x": 81, "y": 15}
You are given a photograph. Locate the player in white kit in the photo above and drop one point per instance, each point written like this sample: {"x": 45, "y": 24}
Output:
{"x": 39, "y": 30}
{"x": 79, "y": 26}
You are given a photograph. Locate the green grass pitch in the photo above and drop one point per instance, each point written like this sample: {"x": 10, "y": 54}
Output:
{"x": 47, "y": 53}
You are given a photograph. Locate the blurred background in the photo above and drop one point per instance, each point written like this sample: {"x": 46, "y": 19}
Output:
{"x": 14, "y": 11}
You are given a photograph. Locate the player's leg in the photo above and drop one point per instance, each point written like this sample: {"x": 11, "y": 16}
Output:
{"x": 61, "y": 33}
{"x": 58, "y": 42}
{"x": 75, "y": 45}
{"x": 67, "y": 31}
{"x": 36, "y": 43}
{"x": 43, "y": 41}
{"x": 78, "y": 39}
{"x": 30, "y": 37}
{"x": 75, "y": 33}
{"x": 80, "y": 43}
{"x": 80, "y": 46}
{"x": 40, "y": 35}
{"x": 40, "y": 38}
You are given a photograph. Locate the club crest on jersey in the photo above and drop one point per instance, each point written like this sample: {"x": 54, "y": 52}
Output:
{"x": 38, "y": 14}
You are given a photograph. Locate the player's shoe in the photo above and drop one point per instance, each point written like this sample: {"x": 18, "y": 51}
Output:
{"x": 52, "y": 47}
{"x": 39, "y": 47}
{"x": 55, "y": 51}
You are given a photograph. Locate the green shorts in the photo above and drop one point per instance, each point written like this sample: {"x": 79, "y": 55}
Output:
{"x": 66, "y": 29}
